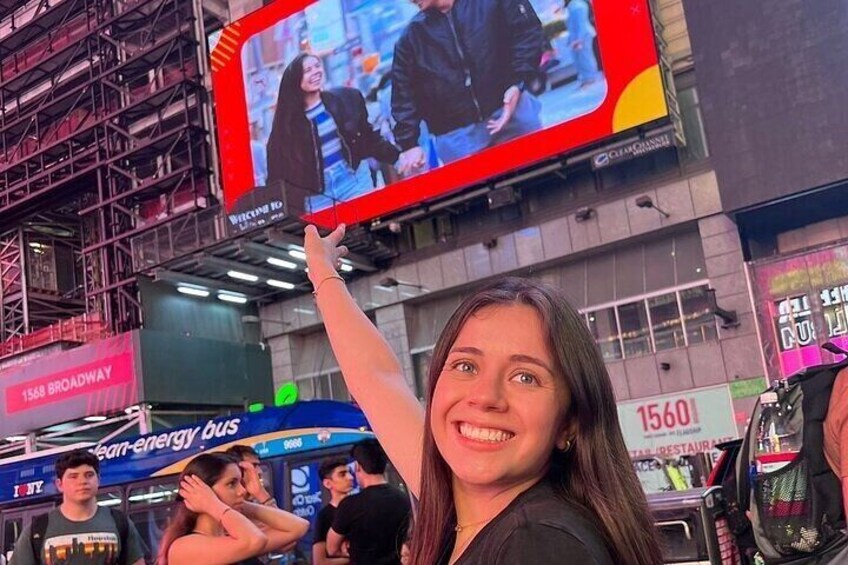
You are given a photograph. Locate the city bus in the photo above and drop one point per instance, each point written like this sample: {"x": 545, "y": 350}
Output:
{"x": 139, "y": 474}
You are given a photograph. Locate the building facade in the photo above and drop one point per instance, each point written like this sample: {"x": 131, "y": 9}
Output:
{"x": 648, "y": 278}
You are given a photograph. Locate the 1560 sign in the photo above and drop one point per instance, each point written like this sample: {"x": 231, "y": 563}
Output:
{"x": 678, "y": 424}
{"x": 668, "y": 415}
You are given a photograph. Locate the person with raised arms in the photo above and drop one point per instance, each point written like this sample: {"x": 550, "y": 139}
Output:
{"x": 518, "y": 456}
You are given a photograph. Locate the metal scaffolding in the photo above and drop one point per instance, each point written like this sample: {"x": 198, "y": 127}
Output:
{"x": 103, "y": 123}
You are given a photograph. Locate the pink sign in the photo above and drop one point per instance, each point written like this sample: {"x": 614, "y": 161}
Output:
{"x": 84, "y": 379}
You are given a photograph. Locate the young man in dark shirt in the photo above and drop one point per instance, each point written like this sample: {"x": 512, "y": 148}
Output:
{"x": 336, "y": 478}
{"x": 79, "y": 530}
{"x": 375, "y": 521}
{"x": 248, "y": 460}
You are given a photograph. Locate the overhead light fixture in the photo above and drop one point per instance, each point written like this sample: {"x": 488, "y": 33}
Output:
{"x": 95, "y": 418}
{"x": 645, "y": 201}
{"x": 297, "y": 254}
{"x": 242, "y": 276}
{"x": 729, "y": 318}
{"x": 281, "y": 263}
{"x": 387, "y": 283}
{"x": 193, "y": 290}
{"x": 583, "y": 214}
{"x": 16, "y": 438}
{"x": 232, "y": 297}
{"x": 280, "y": 284}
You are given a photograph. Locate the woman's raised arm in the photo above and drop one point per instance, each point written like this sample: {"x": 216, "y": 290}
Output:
{"x": 371, "y": 371}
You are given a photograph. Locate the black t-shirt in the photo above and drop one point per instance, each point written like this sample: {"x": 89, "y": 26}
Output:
{"x": 323, "y": 523}
{"x": 538, "y": 527}
{"x": 375, "y": 522}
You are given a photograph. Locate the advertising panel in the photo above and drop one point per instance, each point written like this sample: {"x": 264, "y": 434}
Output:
{"x": 347, "y": 110}
{"x": 92, "y": 379}
{"x": 802, "y": 303}
{"x": 289, "y": 431}
{"x": 678, "y": 424}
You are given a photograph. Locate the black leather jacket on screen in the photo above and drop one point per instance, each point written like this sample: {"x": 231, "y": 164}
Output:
{"x": 452, "y": 69}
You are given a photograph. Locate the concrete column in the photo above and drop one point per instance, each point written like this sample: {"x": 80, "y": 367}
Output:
{"x": 391, "y": 321}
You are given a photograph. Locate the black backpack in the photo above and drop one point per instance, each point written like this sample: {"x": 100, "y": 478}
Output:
{"x": 39, "y": 529}
{"x": 796, "y": 512}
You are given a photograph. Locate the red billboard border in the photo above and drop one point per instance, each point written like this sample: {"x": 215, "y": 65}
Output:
{"x": 634, "y": 96}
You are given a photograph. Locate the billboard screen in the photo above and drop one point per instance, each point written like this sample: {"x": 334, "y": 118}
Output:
{"x": 347, "y": 110}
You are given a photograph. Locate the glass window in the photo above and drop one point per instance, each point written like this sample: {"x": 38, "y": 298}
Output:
{"x": 835, "y": 309}
{"x": 11, "y": 531}
{"x": 698, "y": 317}
{"x": 689, "y": 258}
{"x": 600, "y": 274}
{"x": 322, "y": 387}
{"x": 42, "y": 267}
{"x": 110, "y": 498}
{"x": 306, "y": 389}
{"x": 659, "y": 265}
{"x": 152, "y": 494}
{"x": 634, "y": 329}
{"x": 421, "y": 367}
{"x": 665, "y": 319}
{"x": 151, "y": 523}
{"x": 604, "y": 328}
{"x": 339, "y": 387}
{"x": 629, "y": 272}
{"x": 794, "y": 323}
{"x": 696, "y": 147}
{"x": 574, "y": 283}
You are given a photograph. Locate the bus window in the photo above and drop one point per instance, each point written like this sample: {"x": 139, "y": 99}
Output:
{"x": 12, "y": 527}
{"x": 150, "y": 509}
{"x": 152, "y": 494}
{"x": 267, "y": 475}
{"x": 14, "y": 522}
{"x": 111, "y": 497}
{"x": 151, "y": 523}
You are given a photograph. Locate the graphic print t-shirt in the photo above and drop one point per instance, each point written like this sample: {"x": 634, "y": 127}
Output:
{"x": 92, "y": 542}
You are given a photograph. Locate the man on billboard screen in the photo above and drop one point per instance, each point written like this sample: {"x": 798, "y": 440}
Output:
{"x": 462, "y": 68}
{"x": 346, "y": 110}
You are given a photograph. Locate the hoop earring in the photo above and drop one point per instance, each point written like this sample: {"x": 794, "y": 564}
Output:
{"x": 568, "y": 445}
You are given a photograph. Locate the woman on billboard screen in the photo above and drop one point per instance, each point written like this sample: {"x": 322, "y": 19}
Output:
{"x": 321, "y": 139}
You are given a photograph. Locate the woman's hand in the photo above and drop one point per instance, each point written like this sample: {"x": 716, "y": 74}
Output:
{"x": 252, "y": 481}
{"x": 323, "y": 254}
{"x": 200, "y": 498}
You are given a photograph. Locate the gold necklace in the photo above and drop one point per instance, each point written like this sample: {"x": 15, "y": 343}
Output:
{"x": 458, "y": 528}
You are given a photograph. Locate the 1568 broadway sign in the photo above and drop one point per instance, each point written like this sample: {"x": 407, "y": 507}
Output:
{"x": 84, "y": 379}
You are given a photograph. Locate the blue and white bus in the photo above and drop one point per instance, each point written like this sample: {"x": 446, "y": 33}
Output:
{"x": 139, "y": 474}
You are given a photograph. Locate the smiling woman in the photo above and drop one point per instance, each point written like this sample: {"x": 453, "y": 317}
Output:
{"x": 518, "y": 457}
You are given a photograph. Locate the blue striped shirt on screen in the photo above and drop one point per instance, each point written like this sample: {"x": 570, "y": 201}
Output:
{"x": 328, "y": 135}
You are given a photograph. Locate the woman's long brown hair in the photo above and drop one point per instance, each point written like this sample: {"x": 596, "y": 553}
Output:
{"x": 208, "y": 467}
{"x": 596, "y": 473}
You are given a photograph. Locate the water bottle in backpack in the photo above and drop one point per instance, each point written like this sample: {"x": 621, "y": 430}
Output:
{"x": 779, "y": 439}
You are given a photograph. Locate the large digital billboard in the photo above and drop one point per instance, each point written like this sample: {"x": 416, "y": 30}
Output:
{"x": 347, "y": 110}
